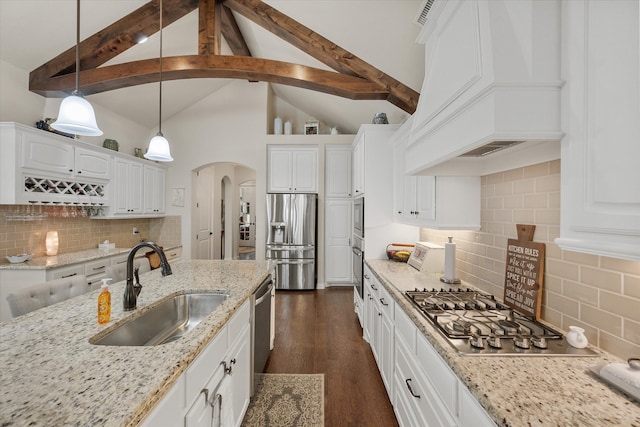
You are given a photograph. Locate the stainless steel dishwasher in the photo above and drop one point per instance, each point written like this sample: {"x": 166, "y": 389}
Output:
{"x": 261, "y": 331}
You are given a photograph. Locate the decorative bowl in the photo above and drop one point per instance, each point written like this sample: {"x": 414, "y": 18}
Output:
{"x": 16, "y": 259}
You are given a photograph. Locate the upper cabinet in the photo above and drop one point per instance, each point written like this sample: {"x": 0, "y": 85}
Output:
{"x": 292, "y": 169}
{"x": 154, "y": 189}
{"x": 600, "y": 191}
{"x": 337, "y": 171}
{"x": 440, "y": 202}
{"x": 492, "y": 80}
{"x": 42, "y": 167}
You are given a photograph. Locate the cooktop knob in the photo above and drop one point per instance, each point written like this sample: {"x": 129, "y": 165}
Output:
{"x": 521, "y": 342}
{"x": 494, "y": 341}
{"x": 476, "y": 341}
{"x": 539, "y": 342}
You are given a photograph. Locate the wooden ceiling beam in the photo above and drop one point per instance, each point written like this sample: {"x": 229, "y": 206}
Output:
{"x": 114, "y": 39}
{"x": 215, "y": 66}
{"x": 209, "y": 27}
{"x": 323, "y": 50}
{"x": 232, "y": 33}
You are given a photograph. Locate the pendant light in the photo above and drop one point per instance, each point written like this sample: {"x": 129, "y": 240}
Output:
{"x": 76, "y": 114}
{"x": 159, "y": 146}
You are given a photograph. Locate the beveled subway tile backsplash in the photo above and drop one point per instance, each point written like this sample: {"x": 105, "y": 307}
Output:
{"x": 18, "y": 235}
{"x": 599, "y": 294}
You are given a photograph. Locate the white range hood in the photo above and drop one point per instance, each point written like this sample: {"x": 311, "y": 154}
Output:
{"x": 492, "y": 76}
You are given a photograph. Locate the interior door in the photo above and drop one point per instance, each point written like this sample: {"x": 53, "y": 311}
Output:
{"x": 338, "y": 229}
{"x": 204, "y": 190}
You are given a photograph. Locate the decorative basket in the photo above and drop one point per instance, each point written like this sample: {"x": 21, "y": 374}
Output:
{"x": 399, "y": 251}
{"x": 111, "y": 144}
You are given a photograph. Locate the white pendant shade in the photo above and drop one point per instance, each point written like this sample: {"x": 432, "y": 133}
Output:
{"x": 76, "y": 116}
{"x": 159, "y": 149}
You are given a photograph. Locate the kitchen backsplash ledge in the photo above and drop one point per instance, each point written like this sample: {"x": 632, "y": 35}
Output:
{"x": 599, "y": 294}
{"x": 81, "y": 233}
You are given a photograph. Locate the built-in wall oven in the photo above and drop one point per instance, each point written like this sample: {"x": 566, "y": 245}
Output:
{"x": 358, "y": 261}
{"x": 358, "y": 217}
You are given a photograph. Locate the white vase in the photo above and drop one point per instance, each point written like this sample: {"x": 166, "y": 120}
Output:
{"x": 277, "y": 126}
{"x": 576, "y": 337}
{"x": 288, "y": 128}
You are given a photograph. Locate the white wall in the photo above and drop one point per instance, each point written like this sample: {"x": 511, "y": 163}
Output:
{"x": 18, "y": 104}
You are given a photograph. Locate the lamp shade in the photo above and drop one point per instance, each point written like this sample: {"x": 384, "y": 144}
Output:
{"x": 76, "y": 116}
{"x": 159, "y": 149}
{"x": 51, "y": 243}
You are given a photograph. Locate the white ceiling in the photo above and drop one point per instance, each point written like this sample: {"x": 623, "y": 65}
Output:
{"x": 381, "y": 32}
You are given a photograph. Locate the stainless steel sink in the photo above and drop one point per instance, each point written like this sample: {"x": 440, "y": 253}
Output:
{"x": 164, "y": 322}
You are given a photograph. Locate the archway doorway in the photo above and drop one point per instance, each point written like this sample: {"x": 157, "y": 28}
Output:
{"x": 216, "y": 209}
{"x": 247, "y": 224}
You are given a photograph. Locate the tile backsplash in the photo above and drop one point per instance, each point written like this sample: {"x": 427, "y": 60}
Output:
{"x": 599, "y": 294}
{"x": 80, "y": 233}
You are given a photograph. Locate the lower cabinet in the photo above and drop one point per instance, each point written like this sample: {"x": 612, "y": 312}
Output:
{"x": 215, "y": 388}
{"x": 426, "y": 391}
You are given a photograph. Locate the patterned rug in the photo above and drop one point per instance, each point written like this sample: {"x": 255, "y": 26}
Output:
{"x": 287, "y": 400}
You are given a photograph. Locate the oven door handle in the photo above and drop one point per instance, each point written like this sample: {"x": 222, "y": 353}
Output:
{"x": 356, "y": 251}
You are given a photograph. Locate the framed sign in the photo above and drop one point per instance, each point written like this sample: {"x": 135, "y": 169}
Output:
{"x": 524, "y": 272}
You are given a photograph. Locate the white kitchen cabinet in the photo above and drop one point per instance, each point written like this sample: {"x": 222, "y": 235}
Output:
{"x": 128, "y": 187}
{"x": 337, "y": 171}
{"x": 154, "y": 189}
{"x": 358, "y": 167}
{"x": 600, "y": 190}
{"x": 292, "y": 169}
{"x": 41, "y": 167}
{"x": 227, "y": 358}
{"x": 357, "y": 306}
{"x": 66, "y": 271}
{"x": 338, "y": 229}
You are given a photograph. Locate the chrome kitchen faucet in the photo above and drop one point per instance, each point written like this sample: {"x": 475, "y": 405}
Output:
{"x": 130, "y": 291}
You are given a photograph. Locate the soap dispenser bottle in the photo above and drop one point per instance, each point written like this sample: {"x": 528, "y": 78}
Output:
{"x": 104, "y": 303}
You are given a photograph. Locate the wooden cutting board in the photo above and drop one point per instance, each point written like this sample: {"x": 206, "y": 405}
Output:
{"x": 524, "y": 272}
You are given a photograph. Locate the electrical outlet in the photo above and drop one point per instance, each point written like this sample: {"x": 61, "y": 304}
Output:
{"x": 135, "y": 230}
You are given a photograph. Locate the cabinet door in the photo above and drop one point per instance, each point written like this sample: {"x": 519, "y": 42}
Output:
{"x": 425, "y": 206}
{"x": 338, "y": 172}
{"x": 338, "y": 227}
{"x": 600, "y": 196}
{"x": 398, "y": 179}
{"x": 136, "y": 178}
{"x": 127, "y": 194}
{"x": 305, "y": 171}
{"x": 154, "y": 189}
{"x": 41, "y": 153}
{"x": 358, "y": 168}
{"x": 240, "y": 354}
{"x": 92, "y": 164}
{"x": 279, "y": 171}
{"x": 170, "y": 410}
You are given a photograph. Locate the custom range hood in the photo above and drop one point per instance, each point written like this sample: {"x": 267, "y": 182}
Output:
{"x": 491, "y": 94}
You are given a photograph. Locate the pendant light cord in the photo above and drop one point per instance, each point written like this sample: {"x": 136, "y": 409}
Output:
{"x": 77, "y": 91}
{"x": 160, "y": 101}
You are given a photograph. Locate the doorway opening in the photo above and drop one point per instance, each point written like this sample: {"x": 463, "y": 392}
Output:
{"x": 217, "y": 205}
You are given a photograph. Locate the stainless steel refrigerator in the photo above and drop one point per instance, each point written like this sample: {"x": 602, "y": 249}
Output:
{"x": 291, "y": 239}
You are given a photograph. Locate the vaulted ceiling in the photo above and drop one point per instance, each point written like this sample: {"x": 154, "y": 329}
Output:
{"x": 340, "y": 61}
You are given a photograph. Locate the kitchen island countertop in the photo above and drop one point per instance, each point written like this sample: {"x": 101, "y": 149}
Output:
{"x": 519, "y": 391}
{"x": 51, "y": 375}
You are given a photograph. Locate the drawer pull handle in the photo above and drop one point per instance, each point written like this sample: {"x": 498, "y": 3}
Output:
{"x": 69, "y": 275}
{"x": 382, "y": 301}
{"x": 374, "y": 287}
{"x": 102, "y": 267}
{"x": 408, "y": 381}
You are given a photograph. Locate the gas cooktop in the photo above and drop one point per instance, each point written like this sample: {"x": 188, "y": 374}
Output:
{"x": 476, "y": 324}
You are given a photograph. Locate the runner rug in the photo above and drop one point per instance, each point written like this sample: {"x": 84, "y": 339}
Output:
{"x": 285, "y": 400}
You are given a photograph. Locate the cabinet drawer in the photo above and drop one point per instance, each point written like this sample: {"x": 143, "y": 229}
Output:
{"x": 119, "y": 259}
{"x": 173, "y": 254}
{"x": 68, "y": 271}
{"x": 201, "y": 370}
{"x": 386, "y": 302}
{"x": 429, "y": 408}
{"x": 238, "y": 321}
{"x": 94, "y": 281}
{"x": 96, "y": 267}
{"x": 438, "y": 373}
{"x": 406, "y": 329}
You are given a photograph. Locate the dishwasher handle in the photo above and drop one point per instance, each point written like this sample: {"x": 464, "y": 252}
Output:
{"x": 264, "y": 291}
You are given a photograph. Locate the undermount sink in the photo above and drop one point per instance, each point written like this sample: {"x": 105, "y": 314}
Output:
{"x": 164, "y": 322}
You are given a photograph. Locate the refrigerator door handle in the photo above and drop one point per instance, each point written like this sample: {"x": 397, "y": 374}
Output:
{"x": 295, "y": 261}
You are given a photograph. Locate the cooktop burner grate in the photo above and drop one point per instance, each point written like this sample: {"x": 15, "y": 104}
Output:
{"x": 477, "y": 324}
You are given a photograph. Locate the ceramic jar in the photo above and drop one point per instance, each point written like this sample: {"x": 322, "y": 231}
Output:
{"x": 576, "y": 337}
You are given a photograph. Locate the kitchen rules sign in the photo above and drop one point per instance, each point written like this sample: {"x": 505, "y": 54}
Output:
{"x": 524, "y": 272}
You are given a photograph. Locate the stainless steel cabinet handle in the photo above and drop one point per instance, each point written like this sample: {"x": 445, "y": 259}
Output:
{"x": 408, "y": 381}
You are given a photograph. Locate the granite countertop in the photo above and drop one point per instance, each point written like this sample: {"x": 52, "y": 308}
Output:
{"x": 51, "y": 375}
{"x": 46, "y": 262}
{"x": 519, "y": 391}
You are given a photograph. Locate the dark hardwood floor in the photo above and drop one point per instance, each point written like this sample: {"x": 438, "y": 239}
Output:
{"x": 318, "y": 332}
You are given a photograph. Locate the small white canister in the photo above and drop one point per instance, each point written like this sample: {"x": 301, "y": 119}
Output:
{"x": 288, "y": 128}
{"x": 277, "y": 126}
